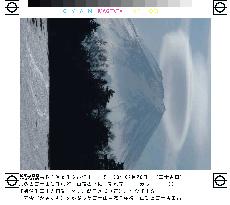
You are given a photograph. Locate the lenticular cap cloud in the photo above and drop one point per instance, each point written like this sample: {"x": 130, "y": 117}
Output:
{"x": 176, "y": 64}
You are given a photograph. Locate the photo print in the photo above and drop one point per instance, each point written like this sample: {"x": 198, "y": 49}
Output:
{"x": 115, "y": 94}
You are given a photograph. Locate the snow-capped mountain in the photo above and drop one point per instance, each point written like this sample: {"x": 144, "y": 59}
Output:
{"x": 137, "y": 105}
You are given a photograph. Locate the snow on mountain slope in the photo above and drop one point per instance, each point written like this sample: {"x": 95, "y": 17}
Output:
{"x": 34, "y": 91}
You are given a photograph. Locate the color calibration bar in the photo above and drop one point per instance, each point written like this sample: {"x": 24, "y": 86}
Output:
{"x": 110, "y": 3}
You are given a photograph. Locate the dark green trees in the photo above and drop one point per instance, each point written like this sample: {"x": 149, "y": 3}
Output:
{"x": 79, "y": 93}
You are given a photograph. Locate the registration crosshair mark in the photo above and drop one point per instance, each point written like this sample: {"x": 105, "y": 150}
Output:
{"x": 220, "y": 7}
{"x": 11, "y": 180}
{"x": 12, "y": 7}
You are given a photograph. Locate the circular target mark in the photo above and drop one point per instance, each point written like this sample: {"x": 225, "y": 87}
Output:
{"x": 11, "y": 180}
{"x": 12, "y": 7}
{"x": 220, "y": 180}
{"x": 220, "y": 7}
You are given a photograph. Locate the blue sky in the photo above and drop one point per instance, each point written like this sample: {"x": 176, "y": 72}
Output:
{"x": 182, "y": 50}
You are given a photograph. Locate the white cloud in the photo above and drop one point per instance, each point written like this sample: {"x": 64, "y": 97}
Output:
{"x": 186, "y": 80}
{"x": 200, "y": 121}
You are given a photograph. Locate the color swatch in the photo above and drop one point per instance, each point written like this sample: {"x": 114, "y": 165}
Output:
{"x": 109, "y": 3}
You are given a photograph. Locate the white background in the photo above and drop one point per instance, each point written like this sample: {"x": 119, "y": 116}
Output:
{"x": 197, "y": 185}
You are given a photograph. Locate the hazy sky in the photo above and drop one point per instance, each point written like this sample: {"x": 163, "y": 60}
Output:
{"x": 182, "y": 50}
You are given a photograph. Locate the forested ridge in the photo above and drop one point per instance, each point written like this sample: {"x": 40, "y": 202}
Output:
{"x": 79, "y": 93}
